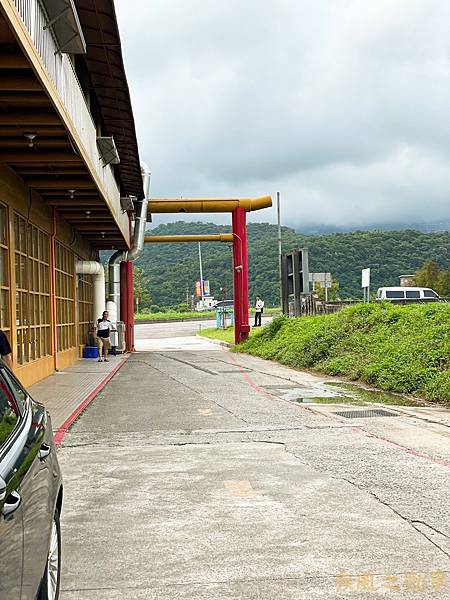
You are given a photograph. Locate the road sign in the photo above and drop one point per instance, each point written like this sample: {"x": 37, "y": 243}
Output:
{"x": 323, "y": 278}
{"x": 365, "y": 284}
{"x": 365, "y": 278}
{"x": 295, "y": 280}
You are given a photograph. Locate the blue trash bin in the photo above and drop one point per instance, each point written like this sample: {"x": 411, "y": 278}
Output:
{"x": 90, "y": 352}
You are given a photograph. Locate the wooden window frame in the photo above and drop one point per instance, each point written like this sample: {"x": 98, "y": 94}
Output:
{"x": 33, "y": 291}
{"x": 85, "y": 307}
{"x": 5, "y": 288}
{"x": 65, "y": 297}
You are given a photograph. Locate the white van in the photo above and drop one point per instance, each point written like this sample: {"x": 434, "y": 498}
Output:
{"x": 407, "y": 294}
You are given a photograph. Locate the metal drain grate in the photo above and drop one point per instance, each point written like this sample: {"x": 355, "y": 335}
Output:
{"x": 365, "y": 414}
{"x": 234, "y": 371}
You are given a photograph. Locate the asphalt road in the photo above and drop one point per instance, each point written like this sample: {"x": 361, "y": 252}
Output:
{"x": 200, "y": 474}
{"x": 152, "y": 331}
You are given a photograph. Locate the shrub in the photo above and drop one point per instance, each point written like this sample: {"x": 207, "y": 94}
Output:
{"x": 182, "y": 308}
{"x": 397, "y": 348}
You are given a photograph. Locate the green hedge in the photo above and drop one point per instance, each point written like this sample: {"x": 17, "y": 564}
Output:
{"x": 397, "y": 348}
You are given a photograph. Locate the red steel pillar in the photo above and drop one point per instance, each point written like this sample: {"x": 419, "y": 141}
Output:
{"x": 130, "y": 316}
{"x": 240, "y": 275}
{"x": 127, "y": 297}
{"x": 127, "y": 302}
{"x": 123, "y": 293}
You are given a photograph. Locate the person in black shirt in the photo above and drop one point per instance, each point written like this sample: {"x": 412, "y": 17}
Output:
{"x": 5, "y": 350}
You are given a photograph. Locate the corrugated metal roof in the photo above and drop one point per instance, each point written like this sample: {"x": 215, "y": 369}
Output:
{"x": 107, "y": 72}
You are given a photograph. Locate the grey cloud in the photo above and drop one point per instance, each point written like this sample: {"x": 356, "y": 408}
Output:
{"x": 342, "y": 106}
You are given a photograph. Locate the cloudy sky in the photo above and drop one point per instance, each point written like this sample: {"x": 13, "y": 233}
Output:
{"x": 341, "y": 105}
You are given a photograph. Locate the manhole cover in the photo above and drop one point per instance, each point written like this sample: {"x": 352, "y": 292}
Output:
{"x": 364, "y": 414}
{"x": 291, "y": 386}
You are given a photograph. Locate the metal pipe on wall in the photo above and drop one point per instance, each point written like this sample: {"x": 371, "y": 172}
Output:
{"x": 53, "y": 306}
{"x": 91, "y": 267}
{"x": 136, "y": 248}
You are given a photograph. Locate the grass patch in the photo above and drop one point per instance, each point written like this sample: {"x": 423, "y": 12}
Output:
{"x": 397, "y": 348}
{"x": 224, "y": 335}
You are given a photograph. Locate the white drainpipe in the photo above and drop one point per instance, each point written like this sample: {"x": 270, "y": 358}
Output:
{"x": 136, "y": 248}
{"x": 91, "y": 267}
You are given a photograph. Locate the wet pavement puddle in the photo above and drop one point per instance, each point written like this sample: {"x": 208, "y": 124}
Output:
{"x": 333, "y": 392}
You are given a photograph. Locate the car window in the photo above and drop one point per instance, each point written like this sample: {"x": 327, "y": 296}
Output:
{"x": 429, "y": 294}
{"x": 9, "y": 413}
{"x": 395, "y": 294}
{"x": 17, "y": 389}
{"x": 413, "y": 294}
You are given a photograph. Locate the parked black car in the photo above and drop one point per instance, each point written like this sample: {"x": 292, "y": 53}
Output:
{"x": 30, "y": 497}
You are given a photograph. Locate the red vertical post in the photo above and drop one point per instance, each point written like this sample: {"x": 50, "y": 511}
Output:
{"x": 123, "y": 308}
{"x": 240, "y": 275}
{"x": 127, "y": 302}
{"x": 54, "y": 302}
{"x": 130, "y": 316}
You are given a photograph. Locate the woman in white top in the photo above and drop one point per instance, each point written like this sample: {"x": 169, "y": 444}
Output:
{"x": 104, "y": 328}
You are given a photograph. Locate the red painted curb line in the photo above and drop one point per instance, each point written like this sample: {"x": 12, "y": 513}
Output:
{"x": 61, "y": 432}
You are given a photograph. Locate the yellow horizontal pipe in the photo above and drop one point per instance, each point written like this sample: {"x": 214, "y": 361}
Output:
{"x": 166, "y": 239}
{"x": 207, "y": 205}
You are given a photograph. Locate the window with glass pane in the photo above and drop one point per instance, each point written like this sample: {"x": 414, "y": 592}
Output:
{"x": 9, "y": 414}
{"x": 32, "y": 291}
{"x": 85, "y": 307}
{"x": 5, "y": 321}
{"x": 65, "y": 297}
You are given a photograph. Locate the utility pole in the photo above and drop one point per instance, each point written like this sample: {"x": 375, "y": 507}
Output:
{"x": 280, "y": 251}
{"x": 201, "y": 270}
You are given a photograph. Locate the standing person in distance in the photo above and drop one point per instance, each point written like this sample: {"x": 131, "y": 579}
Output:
{"x": 259, "y": 306}
{"x": 5, "y": 350}
{"x": 104, "y": 328}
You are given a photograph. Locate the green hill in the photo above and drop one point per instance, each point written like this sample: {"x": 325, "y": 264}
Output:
{"x": 173, "y": 268}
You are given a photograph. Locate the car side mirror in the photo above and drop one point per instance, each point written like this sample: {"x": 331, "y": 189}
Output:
{"x": 2, "y": 489}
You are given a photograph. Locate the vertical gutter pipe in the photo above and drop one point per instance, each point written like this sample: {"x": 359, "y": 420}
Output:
{"x": 53, "y": 307}
{"x": 136, "y": 248}
{"x": 91, "y": 267}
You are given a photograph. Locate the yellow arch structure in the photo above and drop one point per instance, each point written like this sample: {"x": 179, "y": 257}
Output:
{"x": 176, "y": 239}
{"x": 207, "y": 205}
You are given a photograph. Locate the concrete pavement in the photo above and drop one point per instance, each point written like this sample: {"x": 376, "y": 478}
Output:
{"x": 157, "y": 331}
{"x": 64, "y": 391}
{"x": 197, "y": 473}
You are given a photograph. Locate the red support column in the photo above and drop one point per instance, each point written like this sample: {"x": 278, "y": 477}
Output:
{"x": 127, "y": 302}
{"x": 122, "y": 310}
{"x": 240, "y": 275}
{"x": 130, "y": 316}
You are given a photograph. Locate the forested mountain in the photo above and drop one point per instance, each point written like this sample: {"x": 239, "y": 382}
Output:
{"x": 431, "y": 227}
{"x": 173, "y": 268}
